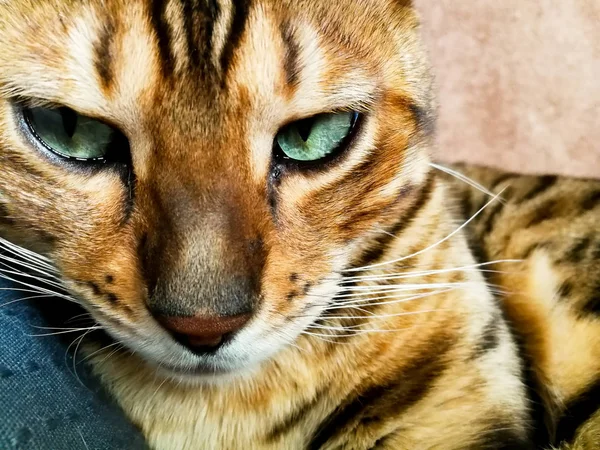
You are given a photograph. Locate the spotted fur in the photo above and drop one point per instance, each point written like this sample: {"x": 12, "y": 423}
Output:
{"x": 372, "y": 325}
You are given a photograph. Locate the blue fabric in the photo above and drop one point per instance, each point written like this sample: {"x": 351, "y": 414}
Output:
{"x": 43, "y": 406}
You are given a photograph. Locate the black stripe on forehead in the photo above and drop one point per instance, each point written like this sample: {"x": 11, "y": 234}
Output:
{"x": 240, "y": 11}
{"x": 199, "y": 20}
{"x": 104, "y": 54}
{"x": 291, "y": 62}
{"x": 163, "y": 33}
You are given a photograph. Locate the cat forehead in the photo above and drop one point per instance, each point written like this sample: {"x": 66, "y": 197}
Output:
{"x": 103, "y": 57}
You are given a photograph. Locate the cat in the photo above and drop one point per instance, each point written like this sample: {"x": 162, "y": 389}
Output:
{"x": 241, "y": 194}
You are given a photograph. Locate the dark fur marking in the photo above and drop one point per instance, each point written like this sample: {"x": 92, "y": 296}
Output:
{"x": 240, "y": 10}
{"x": 578, "y": 411}
{"x": 294, "y": 277}
{"x": 291, "y": 63}
{"x": 466, "y": 204}
{"x": 489, "y": 339}
{"x": 503, "y": 439}
{"x": 103, "y": 59}
{"x": 294, "y": 418}
{"x": 112, "y": 298}
{"x": 381, "y": 243}
{"x": 256, "y": 245}
{"x": 542, "y": 213}
{"x": 406, "y": 388}
{"x": 577, "y": 252}
{"x": 591, "y": 200}
{"x": 94, "y": 287}
{"x": 163, "y": 33}
{"x": 199, "y": 20}
{"x": 4, "y": 216}
{"x": 306, "y": 287}
{"x": 543, "y": 184}
{"x": 501, "y": 179}
{"x": 596, "y": 252}
{"x": 109, "y": 279}
{"x": 539, "y": 433}
{"x": 291, "y": 296}
{"x": 423, "y": 118}
{"x": 533, "y": 247}
{"x": 381, "y": 443}
{"x": 565, "y": 289}
{"x": 592, "y": 305}
{"x": 490, "y": 220}
{"x": 189, "y": 28}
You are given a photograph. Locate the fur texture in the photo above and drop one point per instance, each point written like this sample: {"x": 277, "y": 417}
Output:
{"x": 372, "y": 324}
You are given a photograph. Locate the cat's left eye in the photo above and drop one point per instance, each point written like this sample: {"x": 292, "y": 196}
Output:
{"x": 317, "y": 137}
{"x": 69, "y": 134}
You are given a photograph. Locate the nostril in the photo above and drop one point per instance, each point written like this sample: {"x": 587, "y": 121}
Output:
{"x": 203, "y": 333}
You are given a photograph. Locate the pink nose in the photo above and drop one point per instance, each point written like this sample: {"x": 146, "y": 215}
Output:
{"x": 203, "y": 333}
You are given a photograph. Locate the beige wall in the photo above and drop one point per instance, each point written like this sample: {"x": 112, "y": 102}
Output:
{"x": 518, "y": 81}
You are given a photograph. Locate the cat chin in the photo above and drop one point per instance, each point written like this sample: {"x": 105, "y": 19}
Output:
{"x": 202, "y": 375}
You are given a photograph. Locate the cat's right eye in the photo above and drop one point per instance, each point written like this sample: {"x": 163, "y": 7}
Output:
{"x": 69, "y": 134}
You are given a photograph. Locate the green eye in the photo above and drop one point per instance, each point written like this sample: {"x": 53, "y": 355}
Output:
{"x": 69, "y": 134}
{"x": 317, "y": 137}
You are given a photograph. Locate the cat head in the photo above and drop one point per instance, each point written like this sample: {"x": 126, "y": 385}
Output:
{"x": 202, "y": 174}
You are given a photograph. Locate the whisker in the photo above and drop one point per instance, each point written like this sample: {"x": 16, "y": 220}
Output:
{"x": 32, "y": 257}
{"x": 80, "y": 317}
{"x": 28, "y": 275}
{"x": 31, "y": 297}
{"x": 65, "y": 332}
{"x": 369, "y": 302}
{"x": 100, "y": 350}
{"x": 40, "y": 289}
{"x": 449, "y": 236}
{"x": 358, "y": 291}
{"x": 82, "y": 439}
{"x": 464, "y": 178}
{"x": 391, "y": 276}
{"x": 25, "y": 264}
{"x": 383, "y": 316}
{"x": 119, "y": 347}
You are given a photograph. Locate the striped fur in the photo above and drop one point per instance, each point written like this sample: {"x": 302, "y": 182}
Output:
{"x": 553, "y": 302}
{"x": 372, "y": 326}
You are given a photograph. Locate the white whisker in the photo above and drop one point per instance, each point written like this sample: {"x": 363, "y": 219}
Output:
{"x": 27, "y": 275}
{"x": 65, "y": 332}
{"x": 39, "y": 289}
{"x": 25, "y": 264}
{"x": 30, "y": 256}
{"x": 383, "y": 316}
{"x": 449, "y": 236}
{"x": 464, "y": 178}
{"x": 369, "y": 302}
{"x": 392, "y": 276}
{"x": 22, "y": 299}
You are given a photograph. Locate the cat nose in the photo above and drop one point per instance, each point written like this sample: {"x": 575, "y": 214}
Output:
{"x": 204, "y": 334}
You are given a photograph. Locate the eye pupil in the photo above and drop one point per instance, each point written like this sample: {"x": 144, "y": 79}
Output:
{"x": 69, "y": 118}
{"x": 304, "y": 128}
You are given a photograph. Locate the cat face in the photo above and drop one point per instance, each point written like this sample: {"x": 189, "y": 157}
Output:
{"x": 202, "y": 176}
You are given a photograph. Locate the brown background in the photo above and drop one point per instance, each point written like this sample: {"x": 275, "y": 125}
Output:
{"x": 518, "y": 82}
